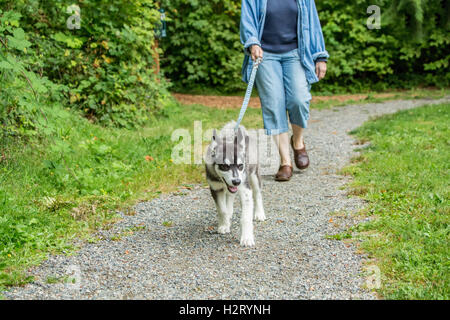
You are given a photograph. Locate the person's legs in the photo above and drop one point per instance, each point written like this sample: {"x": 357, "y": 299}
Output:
{"x": 297, "y": 138}
{"x": 271, "y": 90}
{"x": 282, "y": 141}
{"x": 298, "y": 96}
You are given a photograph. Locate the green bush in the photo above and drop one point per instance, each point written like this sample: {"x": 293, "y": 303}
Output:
{"x": 23, "y": 92}
{"x": 203, "y": 47}
{"x": 107, "y": 65}
{"x": 395, "y": 56}
{"x": 411, "y": 48}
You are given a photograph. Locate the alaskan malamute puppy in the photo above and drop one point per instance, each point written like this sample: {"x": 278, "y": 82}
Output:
{"x": 229, "y": 172}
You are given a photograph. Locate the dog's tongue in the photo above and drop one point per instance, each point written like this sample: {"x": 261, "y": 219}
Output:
{"x": 232, "y": 189}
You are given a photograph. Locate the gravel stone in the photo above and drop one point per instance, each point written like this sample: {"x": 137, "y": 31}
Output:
{"x": 292, "y": 258}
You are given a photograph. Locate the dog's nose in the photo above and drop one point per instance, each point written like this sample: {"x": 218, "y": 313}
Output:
{"x": 236, "y": 182}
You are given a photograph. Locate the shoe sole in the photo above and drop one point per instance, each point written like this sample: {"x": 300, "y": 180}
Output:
{"x": 282, "y": 179}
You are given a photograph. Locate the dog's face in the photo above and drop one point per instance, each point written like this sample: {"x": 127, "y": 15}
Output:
{"x": 229, "y": 160}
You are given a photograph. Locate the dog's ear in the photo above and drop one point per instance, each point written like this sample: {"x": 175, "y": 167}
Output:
{"x": 240, "y": 137}
{"x": 214, "y": 140}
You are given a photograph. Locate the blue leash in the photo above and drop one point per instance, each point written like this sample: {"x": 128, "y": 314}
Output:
{"x": 248, "y": 93}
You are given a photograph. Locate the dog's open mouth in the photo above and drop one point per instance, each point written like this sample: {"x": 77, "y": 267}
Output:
{"x": 232, "y": 189}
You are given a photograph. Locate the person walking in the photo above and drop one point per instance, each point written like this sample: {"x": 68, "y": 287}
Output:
{"x": 287, "y": 36}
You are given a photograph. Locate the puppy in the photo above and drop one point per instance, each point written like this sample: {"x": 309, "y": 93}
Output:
{"x": 229, "y": 172}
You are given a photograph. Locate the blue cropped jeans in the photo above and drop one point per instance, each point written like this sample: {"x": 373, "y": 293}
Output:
{"x": 283, "y": 90}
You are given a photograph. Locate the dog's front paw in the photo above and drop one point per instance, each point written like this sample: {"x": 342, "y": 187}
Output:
{"x": 247, "y": 241}
{"x": 223, "y": 229}
{"x": 260, "y": 216}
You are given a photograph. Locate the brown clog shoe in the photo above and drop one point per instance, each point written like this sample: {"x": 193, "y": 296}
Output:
{"x": 301, "y": 158}
{"x": 284, "y": 173}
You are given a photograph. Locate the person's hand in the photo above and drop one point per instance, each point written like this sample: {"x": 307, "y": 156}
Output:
{"x": 321, "y": 69}
{"x": 257, "y": 52}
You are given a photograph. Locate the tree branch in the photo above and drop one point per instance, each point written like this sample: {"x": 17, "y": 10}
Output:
{"x": 3, "y": 43}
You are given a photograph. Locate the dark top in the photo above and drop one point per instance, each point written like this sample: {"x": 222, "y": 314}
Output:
{"x": 280, "y": 28}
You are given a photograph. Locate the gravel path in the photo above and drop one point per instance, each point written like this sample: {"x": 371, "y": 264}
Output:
{"x": 189, "y": 260}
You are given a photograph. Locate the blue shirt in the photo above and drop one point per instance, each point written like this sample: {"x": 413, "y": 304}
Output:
{"x": 311, "y": 45}
{"x": 280, "y": 28}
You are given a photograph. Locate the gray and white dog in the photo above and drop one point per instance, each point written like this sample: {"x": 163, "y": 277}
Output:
{"x": 229, "y": 171}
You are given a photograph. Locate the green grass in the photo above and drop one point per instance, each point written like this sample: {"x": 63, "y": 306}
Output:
{"x": 70, "y": 181}
{"x": 340, "y": 236}
{"x": 404, "y": 175}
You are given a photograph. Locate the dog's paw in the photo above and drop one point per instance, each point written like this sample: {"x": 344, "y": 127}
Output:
{"x": 223, "y": 229}
{"x": 247, "y": 241}
{"x": 260, "y": 216}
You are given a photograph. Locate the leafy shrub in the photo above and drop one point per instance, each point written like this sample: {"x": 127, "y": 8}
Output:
{"x": 107, "y": 64}
{"x": 203, "y": 44}
{"x": 23, "y": 92}
{"x": 393, "y": 56}
{"x": 410, "y": 49}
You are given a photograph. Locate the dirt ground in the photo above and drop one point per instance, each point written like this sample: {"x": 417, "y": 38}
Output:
{"x": 223, "y": 102}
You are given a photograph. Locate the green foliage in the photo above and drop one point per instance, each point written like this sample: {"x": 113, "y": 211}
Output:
{"x": 411, "y": 48}
{"x": 107, "y": 65}
{"x": 203, "y": 47}
{"x": 418, "y": 16}
{"x": 405, "y": 178}
{"x": 23, "y": 92}
{"x": 389, "y": 57}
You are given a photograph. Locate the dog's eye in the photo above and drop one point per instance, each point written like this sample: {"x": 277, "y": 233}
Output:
{"x": 224, "y": 167}
{"x": 241, "y": 166}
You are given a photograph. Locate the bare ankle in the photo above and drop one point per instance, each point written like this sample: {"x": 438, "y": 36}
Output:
{"x": 298, "y": 144}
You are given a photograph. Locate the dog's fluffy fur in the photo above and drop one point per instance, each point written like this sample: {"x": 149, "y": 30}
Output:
{"x": 228, "y": 173}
